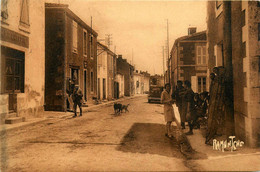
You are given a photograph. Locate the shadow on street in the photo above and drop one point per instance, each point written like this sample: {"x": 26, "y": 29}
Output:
{"x": 149, "y": 138}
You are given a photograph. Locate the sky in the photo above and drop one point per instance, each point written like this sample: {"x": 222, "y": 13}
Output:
{"x": 139, "y": 28}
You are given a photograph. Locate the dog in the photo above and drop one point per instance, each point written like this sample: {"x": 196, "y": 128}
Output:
{"x": 125, "y": 107}
{"x": 117, "y": 108}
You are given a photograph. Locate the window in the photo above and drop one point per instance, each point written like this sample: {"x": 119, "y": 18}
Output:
{"x": 4, "y": 11}
{"x": 243, "y": 18}
{"x": 218, "y": 52}
{"x": 91, "y": 40}
{"x": 201, "y": 55}
{"x": 24, "y": 18}
{"x": 84, "y": 43}
{"x": 201, "y": 84}
{"x": 13, "y": 70}
{"x": 75, "y": 36}
{"x": 92, "y": 81}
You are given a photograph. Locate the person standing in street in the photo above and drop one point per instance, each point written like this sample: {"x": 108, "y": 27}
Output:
{"x": 69, "y": 91}
{"x": 178, "y": 97}
{"x": 168, "y": 109}
{"x": 189, "y": 105}
{"x": 77, "y": 100}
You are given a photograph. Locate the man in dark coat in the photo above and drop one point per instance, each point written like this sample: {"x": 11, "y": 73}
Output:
{"x": 178, "y": 95}
{"x": 77, "y": 99}
{"x": 189, "y": 106}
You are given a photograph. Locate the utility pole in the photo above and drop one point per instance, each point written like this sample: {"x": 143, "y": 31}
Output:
{"x": 163, "y": 64}
{"x": 132, "y": 56}
{"x": 91, "y": 38}
{"x": 168, "y": 54}
{"x": 108, "y": 39}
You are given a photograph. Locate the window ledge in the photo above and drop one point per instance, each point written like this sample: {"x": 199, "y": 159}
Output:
{"x": 23, "y": 28}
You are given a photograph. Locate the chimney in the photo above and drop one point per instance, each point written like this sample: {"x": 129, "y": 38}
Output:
{"x": 192, "y": 30}
{"x": 119, "y": 56}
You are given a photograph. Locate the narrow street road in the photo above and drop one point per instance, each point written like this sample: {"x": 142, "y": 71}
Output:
{"x": 97, "y": 141}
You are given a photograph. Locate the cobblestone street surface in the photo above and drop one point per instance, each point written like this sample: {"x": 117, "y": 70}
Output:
{"x": 97, "y": 141}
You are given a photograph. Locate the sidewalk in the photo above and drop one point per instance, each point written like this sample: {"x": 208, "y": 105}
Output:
{"x": 50, "y": 115}
{"x": 206, "y": 159}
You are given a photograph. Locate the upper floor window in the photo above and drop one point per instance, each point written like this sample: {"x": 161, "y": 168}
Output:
{"x": 24, "y": 18}
{"x": 201, "y": 55}
{"x": 4, "y": 10}
{"x": 84, "y": 43}
{"x": 75, "y": 36}
{"x": 91, "y": 41}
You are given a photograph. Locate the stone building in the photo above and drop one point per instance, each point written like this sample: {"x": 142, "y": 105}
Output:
{"x": 145, "y": 81}
{"x": 106, "y": 72}
{"x": 233, "y": 42}
{"x": 22, "y": 58}
{"x": 71, "y": 53}
{"x": 141, "y": 82}
{"x": 188, "y": 60}
{"x": 125, "y": 69}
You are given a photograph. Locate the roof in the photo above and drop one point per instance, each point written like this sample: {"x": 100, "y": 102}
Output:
{"x": 106, "y": 49}
{"x": 65, "y": 7}
{"x": 192, "y": 37}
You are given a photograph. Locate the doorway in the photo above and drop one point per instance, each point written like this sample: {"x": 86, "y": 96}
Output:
{"x": 104, "y": 88}
{"x": 85, "y": 85}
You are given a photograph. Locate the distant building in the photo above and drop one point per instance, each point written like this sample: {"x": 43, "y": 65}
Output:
{"x": 145, "y": 82}
{"x": 106, "y": 72}
{"x": 137, "y": 82}
{"x": 126, "y": 70}
{"x": 71, "y": 53}
{"x": 141, "y": 82}
{"x": 233, "y": 42}
{"x": 22, "y": 58}
{"x": 188, "y": 60}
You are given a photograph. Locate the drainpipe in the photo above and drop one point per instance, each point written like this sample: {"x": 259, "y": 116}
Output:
{"x": 227, "y": 52}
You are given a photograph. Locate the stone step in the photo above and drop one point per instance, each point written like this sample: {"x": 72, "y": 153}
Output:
{"x": 14, "y": 120}
{"x": 11, "y": 115}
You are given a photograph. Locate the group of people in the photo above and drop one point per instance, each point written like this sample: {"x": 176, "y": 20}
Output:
{"x": 74, "y": 97}
{"x": 191, "y": 106}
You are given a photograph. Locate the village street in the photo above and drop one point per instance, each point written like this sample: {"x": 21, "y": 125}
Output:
{"x": 97, "y": 141}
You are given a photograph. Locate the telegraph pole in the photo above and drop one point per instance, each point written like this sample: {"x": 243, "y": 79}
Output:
{"x": 168, "y": 54}
{"x": 132, "y": 56}
{"x": 109, "y": 42}
{"x": 163, "y": 64}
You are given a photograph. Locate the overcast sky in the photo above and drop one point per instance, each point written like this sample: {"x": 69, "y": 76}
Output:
{"x": 141, "y": 26}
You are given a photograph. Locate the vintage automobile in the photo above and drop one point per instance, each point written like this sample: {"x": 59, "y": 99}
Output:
{"x": 155, "y": 93}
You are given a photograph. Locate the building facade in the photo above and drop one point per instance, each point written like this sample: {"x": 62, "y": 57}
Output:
{"x": 22, "y": 58}
{"x": 71, "y": 53}
{"x": 233, "y": 42}
{"x": 106, "y": 72}
{"x": 125, "y": 69}
{"x": 188, "y": 60}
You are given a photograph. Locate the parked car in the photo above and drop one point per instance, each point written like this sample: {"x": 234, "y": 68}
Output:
{"x": 155, "y": 94}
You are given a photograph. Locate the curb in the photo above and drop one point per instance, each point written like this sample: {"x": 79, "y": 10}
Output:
{"x": 3, "y": 130}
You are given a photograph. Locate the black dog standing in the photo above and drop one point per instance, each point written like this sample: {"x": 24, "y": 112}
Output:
{"x": 77, "y": 100}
